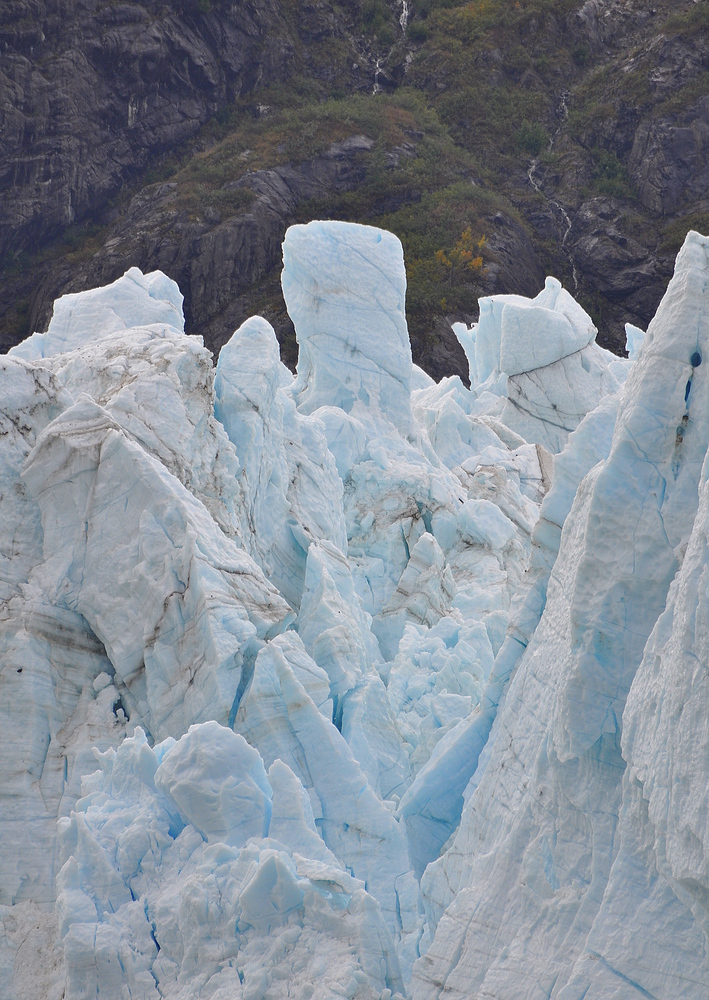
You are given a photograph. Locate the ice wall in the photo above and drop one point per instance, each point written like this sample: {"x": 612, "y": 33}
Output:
{"x": 345, "y": 290}
{"x": 540, "y": 356}
{"x": 353, "y": 684}
{"x": 554, "y": 850}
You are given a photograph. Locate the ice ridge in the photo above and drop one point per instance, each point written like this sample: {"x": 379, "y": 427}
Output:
{"x": 352, "y": 683}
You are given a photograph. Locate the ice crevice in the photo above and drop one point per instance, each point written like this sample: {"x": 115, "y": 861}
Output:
{"x": 350, "y": 683}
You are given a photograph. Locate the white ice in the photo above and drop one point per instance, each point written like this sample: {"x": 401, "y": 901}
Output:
{"x": 540, "y": 357}
{"x": 353, "y": 683}
{"x": 557, "y": 882}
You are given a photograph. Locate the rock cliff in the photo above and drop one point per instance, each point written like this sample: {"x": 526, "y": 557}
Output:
{"x": 188, "y": 135}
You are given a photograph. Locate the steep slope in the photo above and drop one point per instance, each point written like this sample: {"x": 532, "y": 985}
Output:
{"x": 578, "y": 845}
{"x": 571, "y": 136}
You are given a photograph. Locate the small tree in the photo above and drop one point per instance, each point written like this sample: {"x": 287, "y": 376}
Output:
{"x": 464, "y": 260}
{"x": 531, "y": 138}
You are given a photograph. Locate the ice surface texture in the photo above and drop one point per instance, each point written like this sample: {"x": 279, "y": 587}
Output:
{"x": 345, "y": 290}
{"x": 540, "y": 355}
{"x": 559, "y": 881}
{"x": 354, "y": 684}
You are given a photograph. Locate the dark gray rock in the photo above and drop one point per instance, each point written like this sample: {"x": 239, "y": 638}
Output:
{"x": 95, "y": 93}
{"x": 617, "y": 261}
{"x": 219, "y": 266}
{"x": 92, "y": 92}
{"x": 669, "y": 162}
{"x": 228, "y": 270}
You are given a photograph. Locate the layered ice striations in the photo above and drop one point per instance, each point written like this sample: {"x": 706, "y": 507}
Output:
{"x": 559, "y": 875}
{"x": 353, "y": 683}
{"x": 345, "y": 290}
{"x": 174, "y": 601}
{"x": 540, "y": 356}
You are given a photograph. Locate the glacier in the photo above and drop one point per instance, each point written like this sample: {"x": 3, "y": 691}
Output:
{"x": 349, "y": 683}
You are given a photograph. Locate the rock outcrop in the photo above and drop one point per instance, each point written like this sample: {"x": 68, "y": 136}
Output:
{"x": 101, "y": 102}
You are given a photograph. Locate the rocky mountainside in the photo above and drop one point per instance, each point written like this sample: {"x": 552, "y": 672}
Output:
{"x": 498, "y": 141}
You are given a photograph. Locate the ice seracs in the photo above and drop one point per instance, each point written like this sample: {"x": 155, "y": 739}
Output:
{"x": 81, "y": 318}
{"x": 292, "y": 493}
{"x": 345, "y": 290}
{"x": 173, "y": 600}
{"x": 540, "y": 356}
{"x": 554, "y": 819}
{"x": 353, "y": 684}
{"x": 150, "y": 903}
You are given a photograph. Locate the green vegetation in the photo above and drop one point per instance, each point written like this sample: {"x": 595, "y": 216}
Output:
{"x": 442, "y": 233}
{"x": 605, "y": 92}
{"x": 610, "y": 176}
{"x": 417, "y": 31}
{"x": 475, "y": 20}
{"x": 581, "y": 55}
{"x": 447, "y": 279}
{"x": 296, "y": 131}
{"x": 493, "y": 70}
{"x": 674, "y": 233}
{"x": 531, "y": 138}
{"x": 377, "y": 20}
{"x": 689, "y": 22}
{"x": 684, "y": 96}
{"x": 449, "y": 149}
{"x": 415, "y": 181}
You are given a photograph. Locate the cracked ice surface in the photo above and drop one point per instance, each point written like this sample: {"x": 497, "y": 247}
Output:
{"x": 578, "y": 868}
{"x": 313, "y": 686}
{"x": 540, "y": 357}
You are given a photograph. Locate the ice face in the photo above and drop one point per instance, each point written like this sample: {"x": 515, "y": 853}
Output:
{"x": 292, "y": 493}
{"x": 660, "y": 863}
{"x": 516, "y": 335}
{"x": 134, "y": 300}
{"x": 217, "y": 782}
{"x": 221, "y": 901}
{"x": 393, "y": 686}
{"x": 174, "y": 601}
{"x": 540, "y": 355}
{"x": 345, "y": 290}
{"x": 157, "y": 385}
{"x": 31, "y": 399}
{"x": 556, "y": 805}
{"x": 634, "y": 338}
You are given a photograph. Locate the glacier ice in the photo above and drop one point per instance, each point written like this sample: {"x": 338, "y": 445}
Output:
{"x": 540, "y": 357}
{"x": 345, "y": 289}
{"x": 156, "y": 383}
{"x": 151, "y": 904}
{"x": 291, "y": 491}
{"x": 81, "y": 318}
{"x": 173, "y": 600}
{"x": 351, "y": 683}
{"x": 555, "y": 856}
